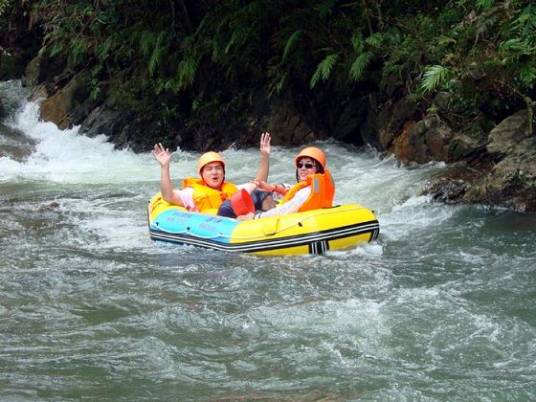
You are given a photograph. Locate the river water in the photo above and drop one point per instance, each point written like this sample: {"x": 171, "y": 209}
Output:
{"x": 440, "y": 308}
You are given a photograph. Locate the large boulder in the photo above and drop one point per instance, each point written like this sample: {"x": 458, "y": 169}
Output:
{"x": 60, "y": 107}
{"x": 433, "y": 139}
{"x": 14, "y": 144}
{"x": 287, "y": 126}
{"x": 423, "y": 141}
{"x": 384, "y": 123}
{"x": 43, "y": 68}
{"x": 501, "y": 173}
{"x": 126, "y": 128}
{"x": 512, "y": 180}
{"x": 511, "y": 136}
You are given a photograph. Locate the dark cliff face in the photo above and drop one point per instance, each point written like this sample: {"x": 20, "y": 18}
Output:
{"x": 20, "y": 40}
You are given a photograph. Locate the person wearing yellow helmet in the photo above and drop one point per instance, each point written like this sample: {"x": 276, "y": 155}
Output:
{"x": 209, "y": 190}
{"x": 314, "y": 189}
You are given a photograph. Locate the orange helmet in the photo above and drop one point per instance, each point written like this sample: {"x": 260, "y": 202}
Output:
{"x": 312, "y": 152}
{"x": 209, "y": 157}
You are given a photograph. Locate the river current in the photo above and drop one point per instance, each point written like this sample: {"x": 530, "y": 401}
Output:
{"x": 439, "y": 308}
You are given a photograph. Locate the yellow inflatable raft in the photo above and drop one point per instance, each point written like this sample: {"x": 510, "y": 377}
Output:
{"x": 311, "y": 232}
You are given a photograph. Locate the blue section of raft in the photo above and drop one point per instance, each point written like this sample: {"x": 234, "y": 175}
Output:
{"x": 211, "y": 227}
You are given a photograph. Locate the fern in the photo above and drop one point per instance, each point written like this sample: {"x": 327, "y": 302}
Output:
{"x": 325, "y": 8}
{"x": 102, "y": 50}
{"x": 147, "y": 41}
{"x": 55, "y": 49}
{"x": 186, "y": 71}
{"x": 291, "y": 42}
{"x": 323, "y": 70}
{"x": 515, "y": 47}
{"x": 484, "y": 4}
{"x": 156, "y": 55}
{"x": 434, "y": 77}
{"x": 527, "y": 75}
{"x": 4, "y": 5}
{"x": 526, "y": 22}
{"x": 357, "y": 43}
{"x": 238, "y": 38}
{"x": 78, "y": 52}
{"x": 375, "y": 40}
{"x": 359, "y": 65}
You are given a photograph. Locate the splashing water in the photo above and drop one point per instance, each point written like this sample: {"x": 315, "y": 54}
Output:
{"x": 437, "y": 309}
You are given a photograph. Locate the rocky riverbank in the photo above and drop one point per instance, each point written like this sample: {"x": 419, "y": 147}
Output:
{"x": 491, "y": 154}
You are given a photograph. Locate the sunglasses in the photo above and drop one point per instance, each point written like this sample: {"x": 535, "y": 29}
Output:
{"x": 300, "y": 165}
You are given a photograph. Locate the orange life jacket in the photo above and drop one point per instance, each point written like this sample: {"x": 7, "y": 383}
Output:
{"x": 322, "y": 191}
{"x": 207, "y": 198}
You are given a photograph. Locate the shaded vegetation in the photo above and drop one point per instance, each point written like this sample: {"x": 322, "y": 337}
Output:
{"x": 204, "y": 65}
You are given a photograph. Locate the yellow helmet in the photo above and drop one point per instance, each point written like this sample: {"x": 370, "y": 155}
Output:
{"x": 312, "y": 152}
{"x": 209, "y": 157}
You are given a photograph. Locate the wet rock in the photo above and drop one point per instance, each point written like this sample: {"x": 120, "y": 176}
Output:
{"x": 511, "y": 183}
{"x": 462, "y": 146}
{"x": 43, "y": 68}
{"x": 14, "y": 144}
{"x": 59, "y": 107}
{"x": 423, "y": 141}
{"x": 287, "y": 126}
{"x": 126, "y": 129}
{"x": 448, "y": 190}
{"x": 432, "y": 139}
{"x": 381, "y": 126}
{"x": 102, "y": 120}
{"x": 511, "y": 136}
{"x": 502, "y": 173}
{"x": 32, "y": 74}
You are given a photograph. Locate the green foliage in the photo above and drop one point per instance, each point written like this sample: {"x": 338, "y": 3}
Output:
{"x": 156, "y": 55}
{"x": 323, "y": 70}
{"x": 4, "y": 5}
{"x": 484, "y": 4}
{"x": 78, "y": 52}
{"x": 292, "y": 40}
{"x": 200, "y": 56}
{"x": 434, "y": 77}
{"x": 527, "y": 75}
{"x": 359, "y": 65}
{"x": 186, "y": 71}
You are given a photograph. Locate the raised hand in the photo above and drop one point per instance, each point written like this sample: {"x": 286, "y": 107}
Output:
{"x": 263, "y": 186}
{"x": 265, "y": 143}
{"x": 162, "y": 155}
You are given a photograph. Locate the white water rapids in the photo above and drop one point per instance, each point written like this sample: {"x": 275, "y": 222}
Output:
{"x": 439, "y": 308}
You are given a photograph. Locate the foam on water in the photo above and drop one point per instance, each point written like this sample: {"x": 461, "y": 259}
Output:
{"x": 68, "y": 158}
{"x": 434, "y": 307}
{"x": 64, "y": 156}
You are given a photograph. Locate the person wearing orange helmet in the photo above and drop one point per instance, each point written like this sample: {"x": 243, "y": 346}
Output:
{"x": 209, "y": 190}
{"x": 314, "y": 188}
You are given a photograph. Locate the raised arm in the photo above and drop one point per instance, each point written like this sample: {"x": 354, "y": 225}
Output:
{"x": 264, "y": 163}
{"x": 163, "y": 156}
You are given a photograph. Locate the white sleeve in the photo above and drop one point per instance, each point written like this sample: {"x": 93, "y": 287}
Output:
{"x": 186, "y": 196}
{"x": 293, "y": 205}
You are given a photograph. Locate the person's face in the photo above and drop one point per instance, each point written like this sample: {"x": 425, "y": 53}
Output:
{"x": 213, "y": 174}
{"x": 305, "y": 167}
